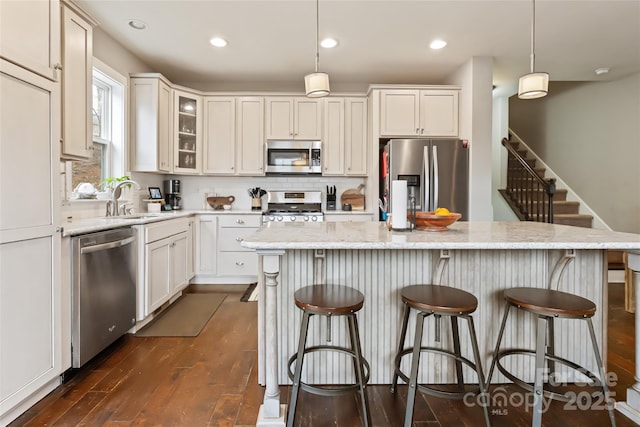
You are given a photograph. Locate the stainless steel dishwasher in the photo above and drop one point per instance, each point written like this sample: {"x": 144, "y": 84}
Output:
{"x": 103, "y": 291}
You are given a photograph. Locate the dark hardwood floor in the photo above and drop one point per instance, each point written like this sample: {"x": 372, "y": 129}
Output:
{"x": 210, "y": 380}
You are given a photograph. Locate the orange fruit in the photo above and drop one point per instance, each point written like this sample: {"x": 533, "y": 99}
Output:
{"x": 442, "y": 212}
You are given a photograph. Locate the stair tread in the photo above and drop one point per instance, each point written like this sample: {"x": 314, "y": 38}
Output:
{"x": 572, "y": 215}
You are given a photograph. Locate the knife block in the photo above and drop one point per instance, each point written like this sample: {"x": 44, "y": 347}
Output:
{"x": 331, "y": 202}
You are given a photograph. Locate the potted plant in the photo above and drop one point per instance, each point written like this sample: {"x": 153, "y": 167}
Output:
{"x": 108, "y": 184}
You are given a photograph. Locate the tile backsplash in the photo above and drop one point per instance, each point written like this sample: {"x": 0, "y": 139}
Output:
{"x": 195, "y": 189}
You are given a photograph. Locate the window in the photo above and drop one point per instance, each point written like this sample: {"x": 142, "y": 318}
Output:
{"x": 108, "y": 109}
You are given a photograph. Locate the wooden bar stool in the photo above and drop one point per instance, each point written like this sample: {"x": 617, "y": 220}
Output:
{"x": 546, "y": 305}
{"x": 439, "y": 301}
{"x": 329, "y": 301}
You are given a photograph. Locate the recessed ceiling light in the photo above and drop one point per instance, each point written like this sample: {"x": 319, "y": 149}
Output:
{"x": 601, "y": 71}
{"x": 438, "y": 44}
{"x": 137, "y": 25}
{"x": 329, "y": 43}
{"x": 218, "y": 42}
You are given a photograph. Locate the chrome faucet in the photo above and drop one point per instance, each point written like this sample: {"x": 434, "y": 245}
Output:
{"x": 112, "y": 207}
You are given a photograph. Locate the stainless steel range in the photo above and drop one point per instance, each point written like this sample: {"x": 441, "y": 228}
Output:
{"x": 286, "y": 206}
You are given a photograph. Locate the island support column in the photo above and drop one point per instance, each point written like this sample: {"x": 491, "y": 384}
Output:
{"x": 271, "y": 413}
{"x": 631, "y": 408}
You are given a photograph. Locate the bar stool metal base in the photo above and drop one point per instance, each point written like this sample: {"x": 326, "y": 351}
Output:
{"x": 330, "y": 390}
{"x": 546, "y": 305}
{"x": 439, "y": 301}
{"x": 475, "y": 389}
{"x": 329, "y": 301}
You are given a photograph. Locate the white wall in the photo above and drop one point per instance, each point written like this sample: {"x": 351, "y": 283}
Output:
{"x": 475, "y": 78}
{"x": 589, "y": 134}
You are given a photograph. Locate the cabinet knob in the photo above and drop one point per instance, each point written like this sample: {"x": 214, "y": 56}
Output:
{"x": 421, "y": 131}
{"x": 417, "y": 130}
{"x": 239, "y": 263}
{"x": 58, "y": 66}
{"x": 239, "y": 239}
{"x": 239, "y": 221}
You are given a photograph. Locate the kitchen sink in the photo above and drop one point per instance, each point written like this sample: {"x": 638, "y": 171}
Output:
{"x": 135, "y": 216}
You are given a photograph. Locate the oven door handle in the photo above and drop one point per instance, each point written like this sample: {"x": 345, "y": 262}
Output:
{"x": 105, "y": 246}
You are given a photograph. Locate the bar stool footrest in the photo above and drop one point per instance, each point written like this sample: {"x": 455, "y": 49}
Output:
{"x": 327, "y": 390}
{"x": 529, "y": 387}
{"x": 431, "y": 390}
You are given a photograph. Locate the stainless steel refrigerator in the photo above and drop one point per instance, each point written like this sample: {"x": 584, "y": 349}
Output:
{"x": 436, "y": 171}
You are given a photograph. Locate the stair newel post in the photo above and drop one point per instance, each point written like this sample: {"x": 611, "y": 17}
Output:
{"x": 551, "y": 189}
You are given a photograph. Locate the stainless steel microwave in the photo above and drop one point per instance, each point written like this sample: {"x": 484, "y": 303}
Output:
{"x": 293, "y": 157}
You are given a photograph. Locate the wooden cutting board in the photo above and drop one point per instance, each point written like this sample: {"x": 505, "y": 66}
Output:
{"x": 354, "y": 197}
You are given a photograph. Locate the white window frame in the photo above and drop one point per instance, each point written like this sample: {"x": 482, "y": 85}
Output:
{"x": 116, "y": 161}
{"x": 117, "y": 156}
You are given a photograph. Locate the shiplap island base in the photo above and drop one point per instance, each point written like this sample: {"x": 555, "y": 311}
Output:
{"x": 483, "y": 258}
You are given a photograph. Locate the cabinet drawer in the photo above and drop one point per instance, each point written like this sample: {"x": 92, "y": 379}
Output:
{"x": 237, "y": 264}
{"x": 239, "y": 220}
{"x": 162, "y": 229}
{"x": 229, "y": 238}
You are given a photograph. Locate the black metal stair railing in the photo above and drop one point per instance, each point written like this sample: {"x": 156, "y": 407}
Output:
{"x": 527, "y": 191}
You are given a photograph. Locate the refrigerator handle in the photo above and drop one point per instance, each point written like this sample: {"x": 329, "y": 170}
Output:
{"x": 425, "y": 179}
{"x": 435, "y": 177}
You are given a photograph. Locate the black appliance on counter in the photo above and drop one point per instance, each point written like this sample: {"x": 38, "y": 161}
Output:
{"x": 172, "y": 193}
{"x": 331, "y": 197}
{"x": 288, "y": 206}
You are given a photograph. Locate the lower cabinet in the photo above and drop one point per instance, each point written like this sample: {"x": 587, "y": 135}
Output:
{"x": 164, "y": 259}
{"x": 221, "y": 258}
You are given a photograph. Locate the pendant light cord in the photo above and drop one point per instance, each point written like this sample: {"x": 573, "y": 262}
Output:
{"x": 317, "y": 32}
{"x": 533, "y": 35}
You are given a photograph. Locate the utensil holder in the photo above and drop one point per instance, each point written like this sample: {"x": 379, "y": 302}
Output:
{"x": 256, "y": 204}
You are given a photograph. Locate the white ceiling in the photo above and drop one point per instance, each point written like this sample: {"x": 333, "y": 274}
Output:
{"x": 272, "y": 43}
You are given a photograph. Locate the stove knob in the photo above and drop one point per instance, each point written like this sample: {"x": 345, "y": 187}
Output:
{"x": 306, "y": 218}
{"x": 279, "y": 218}
{"x": 314, "y": 218}
{"x": 293, "y": 218}
{"x": 272, "y": 218}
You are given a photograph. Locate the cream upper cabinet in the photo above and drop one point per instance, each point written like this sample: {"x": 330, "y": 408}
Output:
{"x": 427, "y": 112}
{"x": 356, "y": 119}
{"x": 334, "y": 135}
{"x": 219, "y": 135}
{"x": 293, "y": 118}
{"x": 250, "y": 136}
{"x": 344, "y": 148}
{"x": 151, "y": 124}
{"x": 30, "y": 35}
{"x": 77, "y": 77}
{"x": 187, "y": 132}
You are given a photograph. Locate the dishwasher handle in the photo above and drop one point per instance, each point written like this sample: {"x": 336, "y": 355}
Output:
{"x": 105, "y": 246}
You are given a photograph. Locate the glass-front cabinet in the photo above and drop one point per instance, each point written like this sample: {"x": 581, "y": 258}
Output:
{"x": 187, "y": 154}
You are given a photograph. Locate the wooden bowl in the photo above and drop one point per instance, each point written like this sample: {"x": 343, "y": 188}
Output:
{"x": 219, "y": 202}
{"x": 432, "y": 222}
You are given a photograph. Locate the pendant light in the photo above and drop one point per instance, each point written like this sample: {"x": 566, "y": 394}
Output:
{"x": 533, "y": 85}
{"x": 317, "y": 84}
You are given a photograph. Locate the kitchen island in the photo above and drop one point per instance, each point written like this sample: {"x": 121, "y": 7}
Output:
{"x": 480, "y": 257}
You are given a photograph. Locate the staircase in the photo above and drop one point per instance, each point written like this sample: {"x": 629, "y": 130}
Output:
{"x": 532, "y": 196}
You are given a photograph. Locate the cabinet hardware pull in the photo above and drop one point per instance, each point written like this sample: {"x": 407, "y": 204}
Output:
{"x": 58, "y": 66}
{"x": 417, "y": 130}
{"x": 239, "y": 221}
{"x": 239, "y": 239}
{"x": 240, "y": 263}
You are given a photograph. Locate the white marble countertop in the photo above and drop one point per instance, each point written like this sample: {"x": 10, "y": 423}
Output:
{"x": 73, "y": 227}
{"x": 461, "y": 235}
